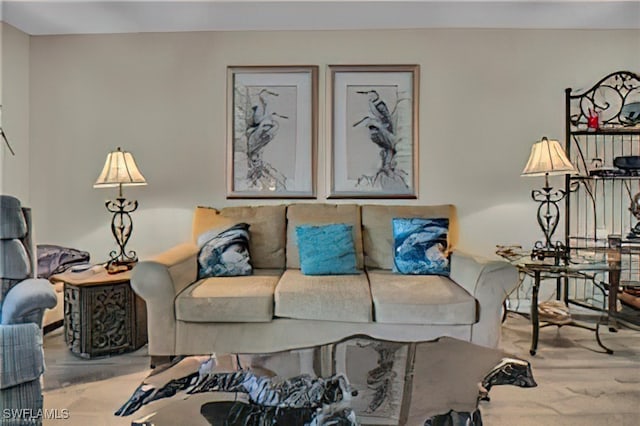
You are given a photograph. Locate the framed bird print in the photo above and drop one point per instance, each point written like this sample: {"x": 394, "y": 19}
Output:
{"x": 374, "y": 131}
{"x": 271, "y": 131}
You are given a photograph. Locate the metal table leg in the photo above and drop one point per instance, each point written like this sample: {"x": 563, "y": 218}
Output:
{"x": 534, "y": 313}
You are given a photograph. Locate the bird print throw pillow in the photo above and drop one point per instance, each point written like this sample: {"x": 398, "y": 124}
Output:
{"x": 420, "y": 246}
{"x": 226, "y": 253}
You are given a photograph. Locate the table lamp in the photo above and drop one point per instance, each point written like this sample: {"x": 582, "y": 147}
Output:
{"x": 120, "y": 170}
{"x": 548, "y": 158}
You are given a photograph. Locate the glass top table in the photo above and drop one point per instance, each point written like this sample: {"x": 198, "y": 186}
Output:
{"x": 541, "y": 271}
{"x": 556, "y": 312}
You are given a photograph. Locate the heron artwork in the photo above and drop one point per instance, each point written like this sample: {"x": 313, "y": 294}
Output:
{"x": 381, "y": 123}
{"x": 261, "y": 129}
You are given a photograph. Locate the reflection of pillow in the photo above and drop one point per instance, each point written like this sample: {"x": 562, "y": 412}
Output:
{"x": 420, "y": 246}
{"x": 225, "y": 254}
{"x": 326, "y": 249}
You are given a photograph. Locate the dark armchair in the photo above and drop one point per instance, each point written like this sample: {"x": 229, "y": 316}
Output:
{"x": 23, "y": 300}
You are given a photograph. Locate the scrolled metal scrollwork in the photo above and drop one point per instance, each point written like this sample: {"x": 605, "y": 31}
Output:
{"x": 121, "y": 227}
{"x": 110, "y": 326}
{"x": 615, "y": 100}
{"x": 574, "y": 185}
{"x": 548, "y": 216}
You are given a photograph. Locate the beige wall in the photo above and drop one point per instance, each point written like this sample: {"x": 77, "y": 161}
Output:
{"x": 485, "y": 97}
{"x": 14, "y": 97}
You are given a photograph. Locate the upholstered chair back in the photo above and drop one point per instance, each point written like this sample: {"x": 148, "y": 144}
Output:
{"x": 16, "y": 249}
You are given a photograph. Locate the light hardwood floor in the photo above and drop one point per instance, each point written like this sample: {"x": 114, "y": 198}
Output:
{"x": 576, "y": 385}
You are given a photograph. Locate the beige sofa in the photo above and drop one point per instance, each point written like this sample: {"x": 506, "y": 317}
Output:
{"x": 279, "y": 308}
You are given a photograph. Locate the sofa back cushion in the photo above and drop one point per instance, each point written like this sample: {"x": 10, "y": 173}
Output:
{"x": 267, "y": 229}
{"x": 377, "y": 231}
{"x": 318, "y": 214}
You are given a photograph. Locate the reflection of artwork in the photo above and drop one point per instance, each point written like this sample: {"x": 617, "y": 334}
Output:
{"x": 374, "y": 131}
{"x": 272, "y": 131}
{"x": 377, "y": 372}
{"x": 381, "y": 126}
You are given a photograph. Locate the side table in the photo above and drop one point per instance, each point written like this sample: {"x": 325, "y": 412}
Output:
{"x": 540, "y": 271}
{"x": 102, "y": 314}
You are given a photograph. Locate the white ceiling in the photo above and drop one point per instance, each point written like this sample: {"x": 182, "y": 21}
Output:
{"x": 101, "y": 16}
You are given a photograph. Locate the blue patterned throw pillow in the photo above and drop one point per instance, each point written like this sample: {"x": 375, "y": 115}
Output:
{"x": 420, "y": 246}
{"x": 326, "y": 249}
{"x": 225, "y": 254}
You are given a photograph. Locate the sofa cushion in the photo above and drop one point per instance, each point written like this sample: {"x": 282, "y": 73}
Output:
{"x": 420, "y": 299}
{"x": 267, "y": 229}
{"x": 323, "y": 297}
{"x": 377, "y": 233}
{"x": 318, "y": 214}
{"x": 326, "y": 249}
{"x": 229, "y": 299}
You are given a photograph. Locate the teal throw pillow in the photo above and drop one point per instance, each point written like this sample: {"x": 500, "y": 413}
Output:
{"x": 326, "y": 249}
{"x": 420, "y": 246}
{"x": 225, "y": 254}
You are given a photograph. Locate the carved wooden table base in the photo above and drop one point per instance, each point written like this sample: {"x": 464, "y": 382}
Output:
{"x": 102, "y": 315}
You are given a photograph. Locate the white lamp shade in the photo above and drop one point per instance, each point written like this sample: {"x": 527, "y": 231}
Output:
{"x": 548, "y": 158}
{"x": 119, "y": 169}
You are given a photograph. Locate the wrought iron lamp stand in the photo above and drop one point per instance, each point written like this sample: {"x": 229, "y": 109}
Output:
{"x": 548, "y": 217}
{"x": 121, "y": 227}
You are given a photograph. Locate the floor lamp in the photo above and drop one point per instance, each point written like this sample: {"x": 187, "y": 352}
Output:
{"x": 120, "y": 170}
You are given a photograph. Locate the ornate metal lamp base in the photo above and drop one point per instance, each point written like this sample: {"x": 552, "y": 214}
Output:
{"x": 558, "y": 252}
{"x": 548, "y": 215}
{"x": 121, "y": 227}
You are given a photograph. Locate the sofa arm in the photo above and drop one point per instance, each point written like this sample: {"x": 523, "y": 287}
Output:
{"x": 489, "y": 282}
{"x": 158, "y": 281}
{"x": 27, "y": 301}
{"x": 22, "y": 356}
